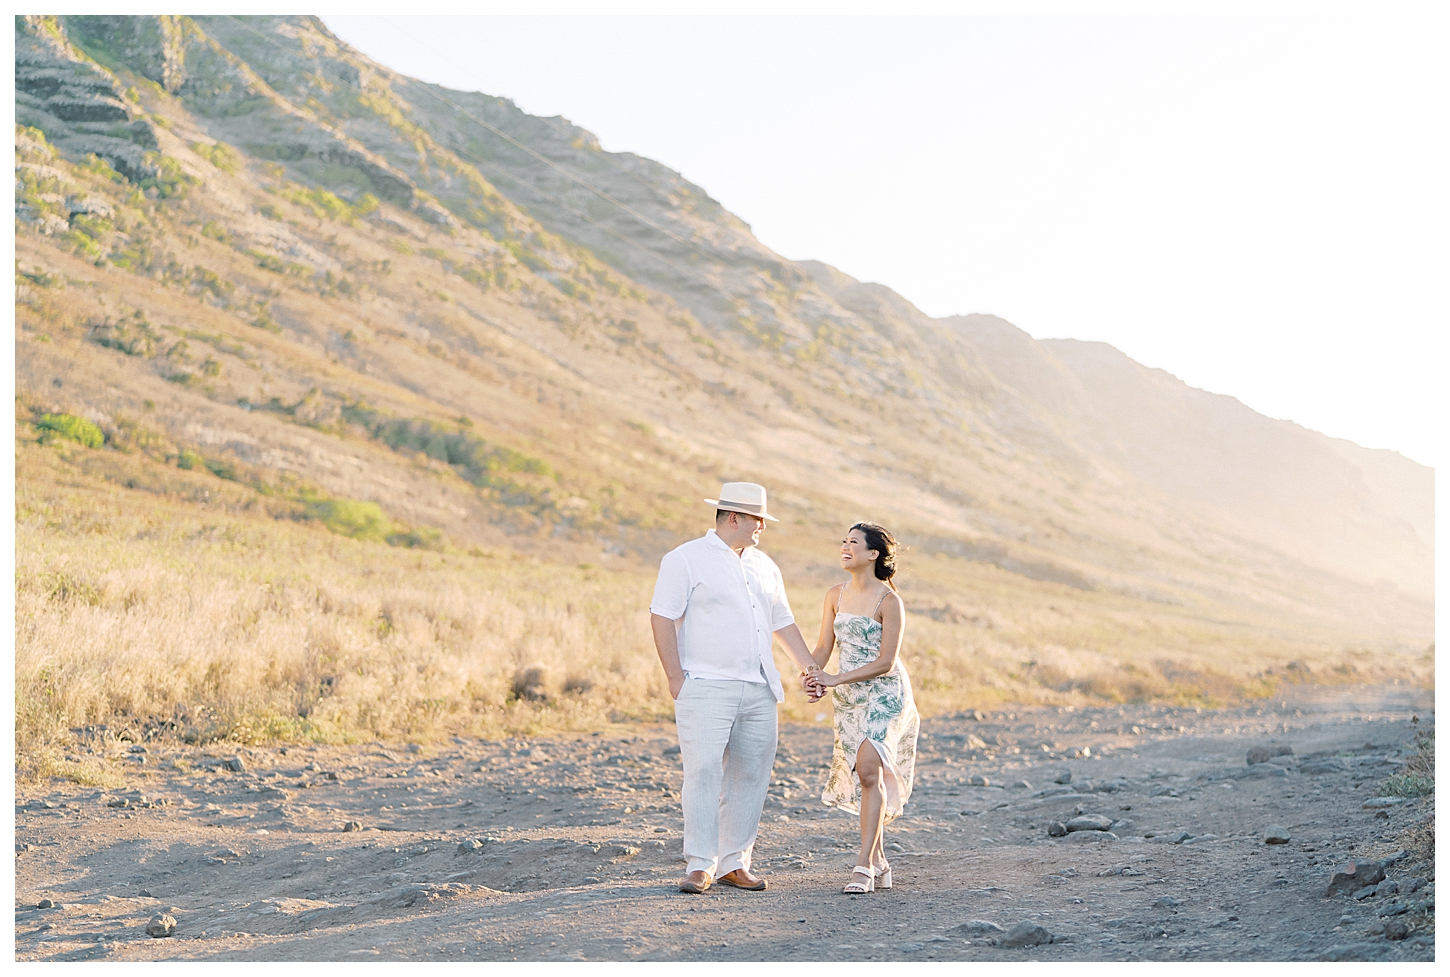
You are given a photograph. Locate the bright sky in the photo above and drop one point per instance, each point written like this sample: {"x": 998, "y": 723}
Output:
{"x": 1246, "y": 202}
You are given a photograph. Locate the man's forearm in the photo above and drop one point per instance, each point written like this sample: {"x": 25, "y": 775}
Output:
{"x": 667, "y": 645}
{"x": 795, "y": 646}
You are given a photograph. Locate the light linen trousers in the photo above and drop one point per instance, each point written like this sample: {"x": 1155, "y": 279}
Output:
{"x": 727, "y": 732}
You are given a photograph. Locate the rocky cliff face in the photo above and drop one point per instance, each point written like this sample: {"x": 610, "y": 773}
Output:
{"x": 503, "y": 268}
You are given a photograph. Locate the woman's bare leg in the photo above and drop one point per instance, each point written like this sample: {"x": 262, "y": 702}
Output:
{"x": 873, "y": 805}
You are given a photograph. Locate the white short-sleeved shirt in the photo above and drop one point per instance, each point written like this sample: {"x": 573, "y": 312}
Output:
{"x": 725, "y": 608}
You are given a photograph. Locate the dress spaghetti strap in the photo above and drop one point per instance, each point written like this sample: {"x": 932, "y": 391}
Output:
{"x": 878, "y": 605}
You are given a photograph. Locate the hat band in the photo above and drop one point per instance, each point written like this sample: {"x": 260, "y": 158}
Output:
{"x": 750, "y": 508}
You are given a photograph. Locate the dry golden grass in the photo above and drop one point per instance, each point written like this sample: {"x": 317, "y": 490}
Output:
{"x": 184, "y": 611}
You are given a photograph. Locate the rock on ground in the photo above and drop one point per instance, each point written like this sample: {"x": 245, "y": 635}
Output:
{"x": 1026, "y": 934}
{"x": 1264, "y": 752}
{"x": 1353, "y": 876}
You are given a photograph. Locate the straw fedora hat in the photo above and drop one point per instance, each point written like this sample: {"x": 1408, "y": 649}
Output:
{"x": 746, "y": 497}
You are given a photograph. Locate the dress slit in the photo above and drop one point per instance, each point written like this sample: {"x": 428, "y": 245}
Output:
{"x": 891, "y": 779}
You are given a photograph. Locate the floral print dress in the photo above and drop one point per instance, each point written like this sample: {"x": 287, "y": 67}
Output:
{"x": 879, "y": 710}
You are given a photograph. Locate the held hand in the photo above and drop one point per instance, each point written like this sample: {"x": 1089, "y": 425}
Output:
{"x": 815, "y": 683}
{"x": 677, "y": 682}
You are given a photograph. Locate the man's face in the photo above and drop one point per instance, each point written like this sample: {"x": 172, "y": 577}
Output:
{"x": 743, "y": 525}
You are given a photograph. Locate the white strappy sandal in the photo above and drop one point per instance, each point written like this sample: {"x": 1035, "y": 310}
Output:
{"x": 854, "y": 888}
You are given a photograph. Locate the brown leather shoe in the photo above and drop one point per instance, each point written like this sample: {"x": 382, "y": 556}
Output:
{"x": 742, "y": 879}
{"x": 696, "y": 882}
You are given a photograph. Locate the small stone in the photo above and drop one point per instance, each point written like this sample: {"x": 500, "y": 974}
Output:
{"x": 662, "y": 831}
{"x": 1362, "y": 894}
{"x": 1395, "y": 909}
{"x": 672, "y": 751}
{"x": 1200, "y": 839}
{"x": 1353, "y": 876}
{"x": 161, "y": 925}
{"x": 1397, "y": 929}
{"x": 1179, "y": 837}
{"x": 1412, "y": 885}
{"x": 1088, "y": 837}
{"x": 1323, "y": 765}
{"x": 1162, "y": 790}
{"x": 352, "y": 826}
{"x": 1064, "y": 776}
{"x": 145, "y": 894}
{"x": 978, "y": 927}
{"x": 1388, "y": 887}
{"x": 1276, "y": 834}
{"x": 1168, "y": 902}
{"x": 1026, "y": 934}
{"x": 1090, "y": 822}
{"x": 1262, "y": 754}
{"x": 911, "y": 947}
{"x": 979, "y": 781}
{"x": 1382, "y": 803}
{"x": 471, "y": 845}
{"x": 415, "y": 748}
{"x": 1021, "y": 785}
{"x": 235, "y": 765}
{"x": 975, "y": 742}
{"x": 45, "y": 904}
{"x": 1056, "y": 829}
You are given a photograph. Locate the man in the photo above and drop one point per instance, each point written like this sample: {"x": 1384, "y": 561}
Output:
{"x": 717, "y": 603}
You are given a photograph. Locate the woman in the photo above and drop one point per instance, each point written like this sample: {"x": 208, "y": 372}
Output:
{"x": 875, "y": 718}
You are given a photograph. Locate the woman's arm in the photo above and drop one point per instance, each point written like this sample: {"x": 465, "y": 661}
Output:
{"x": 826, "y": 640}
{"x": 893, "y": 625}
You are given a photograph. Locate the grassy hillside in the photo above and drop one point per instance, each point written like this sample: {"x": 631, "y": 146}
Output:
{"x": 324, "y": 427}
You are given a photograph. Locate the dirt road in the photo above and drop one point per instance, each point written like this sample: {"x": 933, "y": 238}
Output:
{"x": 569, "y": 848}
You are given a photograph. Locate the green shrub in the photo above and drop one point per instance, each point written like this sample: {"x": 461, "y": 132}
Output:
{"x": 1407, "y": 785}
{"x": 189, "y": 460}
{"x": 170, "y": 181}
{"x": 71, "y": 428}
{"x": 222, "y": 156}
{"x": 349, "y": 517}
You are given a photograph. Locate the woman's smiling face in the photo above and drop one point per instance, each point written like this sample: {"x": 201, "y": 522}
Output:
{"x": 854, "y": 553}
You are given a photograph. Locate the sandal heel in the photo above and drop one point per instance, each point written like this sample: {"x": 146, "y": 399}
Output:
{"x": 884, "y": 878}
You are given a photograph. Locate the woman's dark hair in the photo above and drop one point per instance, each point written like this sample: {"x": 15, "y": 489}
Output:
{"x": 879, "y": 538}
